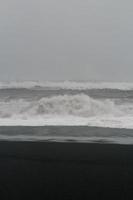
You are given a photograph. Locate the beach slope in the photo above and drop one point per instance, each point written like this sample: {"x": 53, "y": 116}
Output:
{"x": 65, "y": 170}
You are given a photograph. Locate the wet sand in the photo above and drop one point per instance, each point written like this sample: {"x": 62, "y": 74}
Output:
{"x": 67, "y": 170}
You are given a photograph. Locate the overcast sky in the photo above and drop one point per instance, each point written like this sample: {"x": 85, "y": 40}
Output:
{"x": 66, "y": 40}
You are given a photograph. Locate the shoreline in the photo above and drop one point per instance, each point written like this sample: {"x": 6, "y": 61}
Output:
{"x": 74, "y": 134}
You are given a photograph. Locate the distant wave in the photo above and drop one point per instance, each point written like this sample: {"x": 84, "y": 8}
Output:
{"x": 77, "y": 109}
{"x": 73, "y": 85}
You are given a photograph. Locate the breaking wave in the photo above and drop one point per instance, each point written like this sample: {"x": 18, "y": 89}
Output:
{"x": 75, "y": 105}
{"x": 77, "y": 109}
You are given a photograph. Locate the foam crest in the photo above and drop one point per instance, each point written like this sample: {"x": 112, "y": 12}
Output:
{"x": 79, "y": 105}
{"x": 67, "y": 110}
{"x": 76, "y": 105}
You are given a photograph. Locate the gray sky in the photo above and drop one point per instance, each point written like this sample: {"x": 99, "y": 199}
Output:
{"x": 66, "y": 39}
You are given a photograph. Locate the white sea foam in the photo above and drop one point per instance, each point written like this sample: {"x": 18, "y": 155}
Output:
{"x": 73, "y": 85}
{"x": 70, "y": 110}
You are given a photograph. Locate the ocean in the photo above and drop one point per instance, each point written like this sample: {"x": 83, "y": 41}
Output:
{"x": 67, "y": 111}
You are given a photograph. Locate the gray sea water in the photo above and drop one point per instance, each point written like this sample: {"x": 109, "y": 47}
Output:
{"x": 80, "y": 113}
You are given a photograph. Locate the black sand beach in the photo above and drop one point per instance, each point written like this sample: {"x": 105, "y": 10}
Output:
{"x": 67, "y": 170}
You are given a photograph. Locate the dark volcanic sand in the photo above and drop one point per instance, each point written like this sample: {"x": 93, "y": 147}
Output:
{"x": 52, "y": 170}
